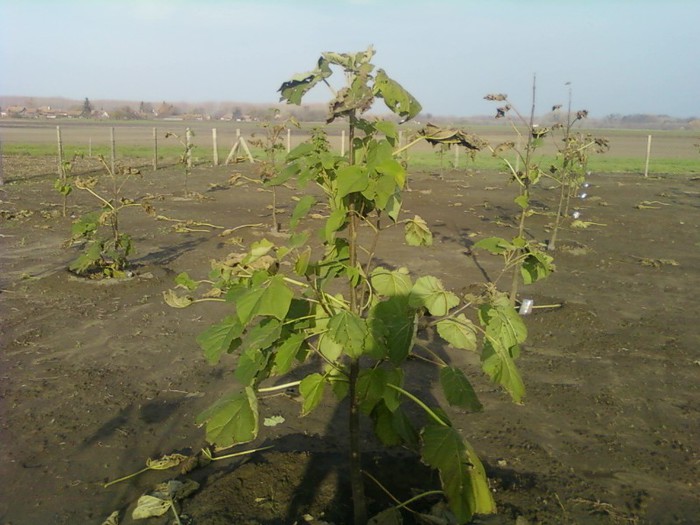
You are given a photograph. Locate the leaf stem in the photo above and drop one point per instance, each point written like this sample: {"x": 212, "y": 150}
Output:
{"x": 420, "y": 403}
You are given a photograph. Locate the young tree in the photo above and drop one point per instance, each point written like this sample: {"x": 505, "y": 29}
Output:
{"x": 359, "y": 319}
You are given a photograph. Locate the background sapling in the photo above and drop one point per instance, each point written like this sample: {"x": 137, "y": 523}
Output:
{"x": 522, "y": 256}
{"x": 106, "y": 247}
{"x": 272, "y": 144}
{"x": 571, "y": 166}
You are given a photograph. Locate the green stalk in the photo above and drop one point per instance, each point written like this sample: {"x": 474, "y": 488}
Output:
{"x": 524, "y": 190}
{"x": 356, "y": 482}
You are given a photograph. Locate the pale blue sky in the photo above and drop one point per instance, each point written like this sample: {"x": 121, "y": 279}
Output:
{"x": 621, "y": 56}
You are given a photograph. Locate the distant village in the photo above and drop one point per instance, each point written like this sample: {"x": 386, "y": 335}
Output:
{"x": 145, "y": 111}
{"x": 61, "y": 108}
{"x": 115, "y": 110}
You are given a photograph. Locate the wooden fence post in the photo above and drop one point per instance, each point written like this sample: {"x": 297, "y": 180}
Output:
{"x": 2, "y": 173}
{"x": 289, "y": 140}
{"x": 215, "y": 145}
{"x": 342, "y": 143}
{"x": 90, "y": 148}
{"x": 155, "y": 149}
{"x": 113, "y": 148}
{"x": 646, "y": 164}
{"x": 188, "y": 145}
{"x": 60, "y": 151}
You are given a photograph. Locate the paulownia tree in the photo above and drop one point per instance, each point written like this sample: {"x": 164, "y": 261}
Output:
{"x": 295, "y": 301}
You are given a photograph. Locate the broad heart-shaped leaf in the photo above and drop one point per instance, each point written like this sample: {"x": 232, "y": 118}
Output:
{"x": 393, "y": 428}
{"x": 397, "y": 318}
{"x": 388, "y": 128}
{"x": 233, "y": 419}
{"x": 495, "y": 245}
{"x": 497, "y": 362}
{"x": 352, "y": 179}
{"x": 459, "y": 332}
{"x": 263, "y": 335}
{"x": 287, "y": 352}
{"x": 349, "y": 330}
{"x": 311, "y": 389}
{"x": 458, "y": 390}
{"x": 251, "y": 362}
{"x": 502, "y": 322}
{"x": 294, "y": 89}
{"x": 461, "y": 472}
{"x": 417, "y": 232}
{"x": 254, "y": 359}
{"x": 396, "y": 97}
{"x": 372, "y": 388}
{"x": 268, "y": 298}
{"x": 390, "y": 283}
{"x": 301, "y": 209}
{"x": 505, "y": 330}
{"x": 334, "y": 223}
{"x": 537, "y": 265}
{"x": 428, "y": 292}
{"x": 220, "y": 338}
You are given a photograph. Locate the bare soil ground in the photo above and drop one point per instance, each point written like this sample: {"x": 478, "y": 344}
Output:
{"x": 97, "y": 377}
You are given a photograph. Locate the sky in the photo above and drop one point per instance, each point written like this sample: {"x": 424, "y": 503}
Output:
{"x": 619, "y": 56}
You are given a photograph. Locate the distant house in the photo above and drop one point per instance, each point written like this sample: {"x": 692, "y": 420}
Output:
{"x": 16, "y": 111}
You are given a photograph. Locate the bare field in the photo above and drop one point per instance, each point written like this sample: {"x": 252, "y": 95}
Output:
{"x": 97, "y": 378}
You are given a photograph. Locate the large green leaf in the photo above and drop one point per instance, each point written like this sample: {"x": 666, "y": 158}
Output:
{"x": 497, "y": 362}
{"x": 269, "y": 298}
{"x": 458, "y": 390}
{"x": 263, "y": 335}
{"x": 428, "y": 292}
{"x": 352, "y": 179}
{"x": 390, "y": 283}
{"x": 398, "y": 320}
{"x": 460, "y": 332}
{"x": 294, "y": 89}
{"x": 393, "y": 427}
{"x": 349, "y": 330}
{"x": 502, "y": 322}
{"x": 88, "y": 259}
{"x": 301, "y": 209}
{"x": 251, "y": 362}
{"x": 292, "y": 348}
{"x": 494, "y": 245}
{"x": 505, "y": 331}
{"x": 231, "y": 420}
{"x": 334, "y": 223}
{"x": 311, "y": 389}
{"x": 220, "y": 338}
{"x": 371, "y": 384}
{"x": 388, "y": 128}
{"x": 537, "y": 265}
{"x": 417, "y": 232}
{"x": 395, "y": 96}
{"x": 461, "y": 472}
